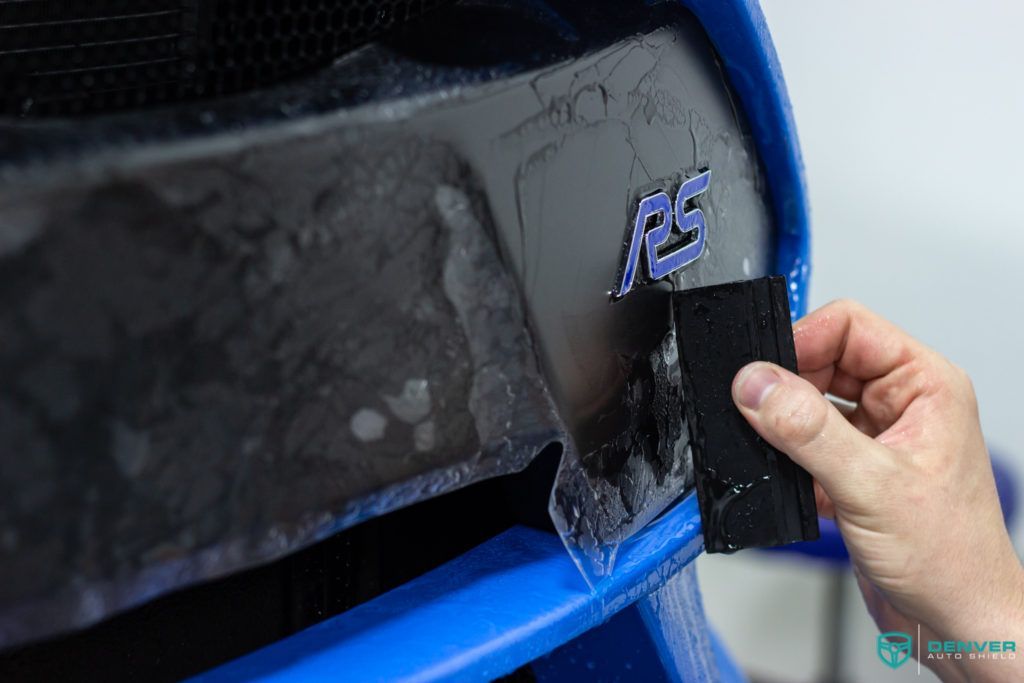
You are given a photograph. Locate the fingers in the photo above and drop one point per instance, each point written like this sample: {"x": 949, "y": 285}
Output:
{"x": 850, "y": 352}
{"x": 826, "y": 508}
{"x": 845, "y": 341}
{"x": 834, "y": 380}
{"x": 792, "y": 415}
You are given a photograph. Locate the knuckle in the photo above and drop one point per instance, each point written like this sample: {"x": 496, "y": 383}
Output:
{"x": 956, "y": 386}
{"x": 845, "y": 304}
{"x": 964, "y": 380}
{"x": 801, "y": 420}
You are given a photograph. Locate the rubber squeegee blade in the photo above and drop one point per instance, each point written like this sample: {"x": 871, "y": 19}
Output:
{"x": 750, "y": 494}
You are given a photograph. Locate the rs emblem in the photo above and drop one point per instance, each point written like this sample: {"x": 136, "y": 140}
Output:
{"x": 657, "y": 209}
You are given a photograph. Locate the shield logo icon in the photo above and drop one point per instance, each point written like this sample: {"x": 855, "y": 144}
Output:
{"x": 894, "y": 648}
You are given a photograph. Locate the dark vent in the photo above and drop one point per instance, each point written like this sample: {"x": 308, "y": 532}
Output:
{"x": 76, "y": 57}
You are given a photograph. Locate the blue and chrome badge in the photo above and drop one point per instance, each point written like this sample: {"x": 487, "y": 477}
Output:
{"x": 652, "y": 230}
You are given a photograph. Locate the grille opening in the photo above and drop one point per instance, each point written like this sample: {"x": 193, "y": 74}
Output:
{"x": 69, "y": 58}
{"x": 193, "y": 630}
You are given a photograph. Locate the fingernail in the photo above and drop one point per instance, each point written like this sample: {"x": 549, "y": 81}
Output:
{"x": 754, "y": 383}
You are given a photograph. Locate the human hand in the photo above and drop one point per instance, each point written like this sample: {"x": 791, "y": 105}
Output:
{"x": 906, "y": 475}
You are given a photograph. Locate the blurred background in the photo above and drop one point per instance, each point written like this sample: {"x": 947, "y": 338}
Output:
{"x": 911, "y": 120}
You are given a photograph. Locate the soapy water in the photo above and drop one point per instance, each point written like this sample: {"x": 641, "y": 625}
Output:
{"x": 674, "y": 615}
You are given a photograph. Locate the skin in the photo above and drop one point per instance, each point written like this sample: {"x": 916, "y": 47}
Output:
{"x": 906, "y": 475}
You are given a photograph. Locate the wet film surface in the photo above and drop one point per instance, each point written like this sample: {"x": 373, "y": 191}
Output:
{"x": 396, "y": 284}
{"x": 750, "y": 494}
{"x": 613, "y": 365}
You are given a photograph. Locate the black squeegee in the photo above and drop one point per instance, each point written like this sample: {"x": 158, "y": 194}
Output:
{"x": 750, "y": 494}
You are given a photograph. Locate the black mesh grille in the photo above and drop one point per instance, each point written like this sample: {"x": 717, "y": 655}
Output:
{"x": 74, "y": 57}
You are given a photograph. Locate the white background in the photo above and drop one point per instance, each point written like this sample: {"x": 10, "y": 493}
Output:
{"x": 911, "y": 119}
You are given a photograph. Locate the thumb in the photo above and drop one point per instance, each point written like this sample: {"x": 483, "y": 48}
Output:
{"x": 792, "y": 415}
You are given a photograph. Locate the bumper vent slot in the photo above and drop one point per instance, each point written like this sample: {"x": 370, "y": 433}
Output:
{"x": 70, "y": 58}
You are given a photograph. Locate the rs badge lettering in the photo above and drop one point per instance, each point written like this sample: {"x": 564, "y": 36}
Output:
{"x": 652, "y": 228}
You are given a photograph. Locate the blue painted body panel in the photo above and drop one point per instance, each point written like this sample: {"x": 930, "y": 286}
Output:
{"x": 499, "y": 606}
{"x": 619, "y": 650}
{"x": 675, "y": 621}
{"x": 631, "y": 646}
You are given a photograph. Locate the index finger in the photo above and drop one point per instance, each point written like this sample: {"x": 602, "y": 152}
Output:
{"x": 842, "y": 346}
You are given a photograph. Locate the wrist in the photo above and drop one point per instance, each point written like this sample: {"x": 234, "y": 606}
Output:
{"x": 977, "y": 588}
{"x": 986, "y": 634}
{"x": 994, "y": 604}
